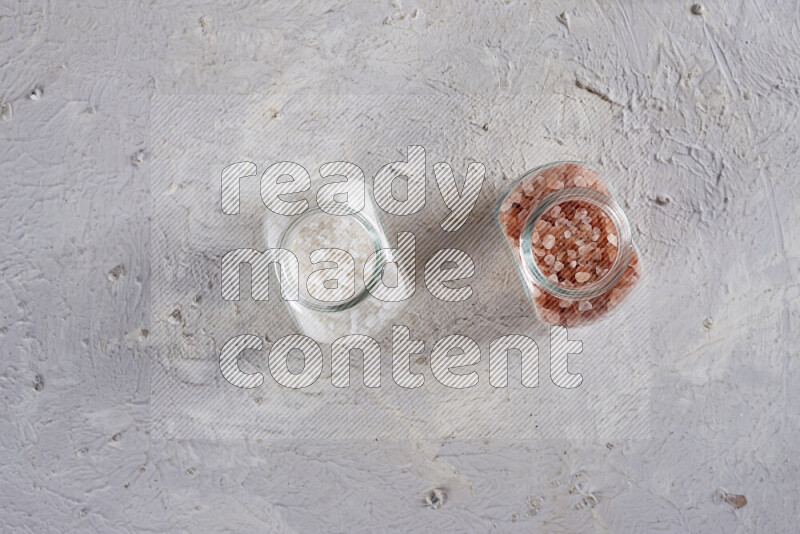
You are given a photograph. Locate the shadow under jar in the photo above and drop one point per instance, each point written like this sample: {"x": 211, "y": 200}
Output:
{"x": 571, "y": 242}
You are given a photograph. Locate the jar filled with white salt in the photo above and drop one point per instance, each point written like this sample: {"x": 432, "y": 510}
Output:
{"x": 335, "y": 276}
{"x": 571, "y": 241}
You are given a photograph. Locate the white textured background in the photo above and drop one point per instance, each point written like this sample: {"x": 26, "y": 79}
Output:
{"x": 710, "y": 102}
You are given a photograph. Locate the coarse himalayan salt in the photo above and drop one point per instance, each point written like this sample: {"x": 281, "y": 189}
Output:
{"x": 574, "y": 243}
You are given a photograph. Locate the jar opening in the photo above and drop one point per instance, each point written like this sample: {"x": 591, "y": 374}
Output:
{"x": 353, "y": 233}
{"x": 576, "y": 243}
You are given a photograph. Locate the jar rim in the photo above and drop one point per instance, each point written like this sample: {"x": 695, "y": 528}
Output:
{"x": 377, "y": 245}
{"x": 624, "y": 243}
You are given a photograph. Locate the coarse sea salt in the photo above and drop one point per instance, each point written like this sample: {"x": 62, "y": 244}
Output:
{"x": 332, "y": 292}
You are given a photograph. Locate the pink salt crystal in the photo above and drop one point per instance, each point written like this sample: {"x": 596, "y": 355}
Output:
{"x": 595, "y": 237}
{"x": 534, "y": 237}
{"x": 549, "y": 259}
{"x": 560, "y": 222}
{"x": 554, "y": 183}
{"x": 567, "y": 234}
{"x": 532, "y": 185}
{"x": 556, "y": 211}
{"x": 517, "y": 196}
{"x": 564, "y": 303}
{"x": 558, "y": 266}
{"x": 550, "y": 316}
{"x": 542, "y": 226}
{"x": 538, "y": 251}
{"x": 536, "y": 292}
{"x": 584, "y": 305}
{"x": 573, "y": 263}
{"x": 586, "y": 249}
{"x": 612, "y": 239}
{"x": 580, "y": 181}
{"x": 553, "y": 278}
{"x": 572, "y": 254}
{"x": 628, "y": 280}
{"x": 548, "y": 241}
{"x": 582, "y": 277}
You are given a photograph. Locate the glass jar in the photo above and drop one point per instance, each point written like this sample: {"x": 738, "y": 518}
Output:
{"x": 571, "y": 242}
{"x": 325, "y": 311}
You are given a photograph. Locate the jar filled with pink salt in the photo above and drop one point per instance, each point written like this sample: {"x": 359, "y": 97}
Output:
{"x": 571, "y": 242}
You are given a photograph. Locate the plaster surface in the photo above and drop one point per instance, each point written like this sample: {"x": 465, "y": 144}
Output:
{"x": 702, "y": 109}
